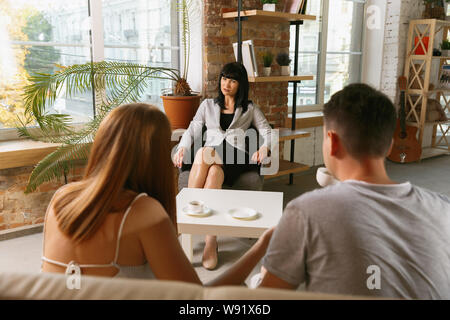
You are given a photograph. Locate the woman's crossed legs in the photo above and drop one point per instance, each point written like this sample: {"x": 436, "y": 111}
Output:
{"x": 207, "y": 173}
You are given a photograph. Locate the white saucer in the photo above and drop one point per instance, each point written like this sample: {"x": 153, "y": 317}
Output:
{"x": 243, "y": 213}
{"x": 206, "y": 212}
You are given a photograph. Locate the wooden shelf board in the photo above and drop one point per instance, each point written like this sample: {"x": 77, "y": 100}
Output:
{"x": 287, "y": 167}
{"x": 269, "y": 16}
{"x": 20, "y": 153}
{"x": 441, "y": 90}
{"x": 429, "y": 21}
{"x": 441, "y": 58}
{"x": 280, "y": 78}
{"x": 415, "y": 124}
{"x": 424, "y": 56}
{"x": 429, "y": 152}
{"x": 306, "y": 120}
{"x": 419, "y": 91}
{"x": 288, "y": 134}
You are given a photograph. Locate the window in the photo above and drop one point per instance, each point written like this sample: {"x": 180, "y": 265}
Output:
{"x": 141, "y": 32}
{"x": 36, "y": 35}
{"x": 342, "y": 42}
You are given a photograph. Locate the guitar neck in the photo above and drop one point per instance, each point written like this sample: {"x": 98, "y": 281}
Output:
{"x": 402, "y": 113}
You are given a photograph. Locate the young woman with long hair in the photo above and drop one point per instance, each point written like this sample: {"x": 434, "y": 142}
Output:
{"x": 120, "y": 219}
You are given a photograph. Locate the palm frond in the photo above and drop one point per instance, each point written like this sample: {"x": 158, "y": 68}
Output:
{"x": 46, "y": 131}
{"x": 106, "y": 75}
{"x": 120, "y": 82}
{"x": 54, "y": 165}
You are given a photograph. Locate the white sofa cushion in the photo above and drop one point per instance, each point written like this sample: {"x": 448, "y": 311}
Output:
{"x": 52, "y": 286}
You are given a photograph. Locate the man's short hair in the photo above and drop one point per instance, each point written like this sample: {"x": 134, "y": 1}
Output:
{"x": 364, "y": 118}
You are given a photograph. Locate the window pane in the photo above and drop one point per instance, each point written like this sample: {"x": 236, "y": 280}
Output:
{"x": 34, "y": 36}
{"x": 309, "y": 34}
{"x": 345, "y": 26}
{"x": 342, "y": 69}
{"x": 306, "y": 90}
{"x": 141, "y": 32}
{"x": 344, "y": 45}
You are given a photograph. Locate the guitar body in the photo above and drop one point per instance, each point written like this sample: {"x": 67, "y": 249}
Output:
{"x": 405, "y": 149}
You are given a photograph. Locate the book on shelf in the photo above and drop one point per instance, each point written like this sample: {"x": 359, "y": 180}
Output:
{"x": 293, "y": 6}
{"x": 303, "y": 7}
{"x": 248, "y": 57}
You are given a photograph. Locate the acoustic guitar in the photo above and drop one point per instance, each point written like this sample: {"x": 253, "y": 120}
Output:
{"x": 406, "y": 148}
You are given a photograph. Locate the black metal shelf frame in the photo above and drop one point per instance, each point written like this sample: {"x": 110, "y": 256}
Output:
{"x": 297, "y": 25}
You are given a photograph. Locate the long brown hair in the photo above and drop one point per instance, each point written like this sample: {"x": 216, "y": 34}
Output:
{"x": 131, "y": 151}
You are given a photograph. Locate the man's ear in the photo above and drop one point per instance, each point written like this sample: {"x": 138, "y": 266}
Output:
{"x": 335, "y": 143}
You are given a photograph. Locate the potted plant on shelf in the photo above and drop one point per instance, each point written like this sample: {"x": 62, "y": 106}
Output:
{"x": 115, "y": 83}
{"x": 445, "y": 47}
{"x": 269, "y": 5}
{"x": 283, "y": 61}
{"x": 267, "y": 62}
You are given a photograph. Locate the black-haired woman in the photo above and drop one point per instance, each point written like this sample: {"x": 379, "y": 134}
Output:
{"x": 226, "y": 118}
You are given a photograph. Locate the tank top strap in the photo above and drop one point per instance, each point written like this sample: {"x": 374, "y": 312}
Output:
{"x": 119, "y": 235}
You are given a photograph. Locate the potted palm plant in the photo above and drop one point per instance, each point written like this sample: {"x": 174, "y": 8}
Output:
{"x": 180, "y": 102}
{"x": 114, "y": 83}
{"x": 267, "y": 62}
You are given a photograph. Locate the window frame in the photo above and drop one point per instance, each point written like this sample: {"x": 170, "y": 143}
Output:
{"x": 322, "y": 53}
{"x": 97, "y": 49}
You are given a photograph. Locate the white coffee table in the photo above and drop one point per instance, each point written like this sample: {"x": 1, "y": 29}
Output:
{"x": 269, "y": 206}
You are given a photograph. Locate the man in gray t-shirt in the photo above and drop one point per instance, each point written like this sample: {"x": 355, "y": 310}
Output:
{"x": 366, "y": 235}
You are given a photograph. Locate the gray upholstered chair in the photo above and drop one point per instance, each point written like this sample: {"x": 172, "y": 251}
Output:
{"x": 247, "y": 181}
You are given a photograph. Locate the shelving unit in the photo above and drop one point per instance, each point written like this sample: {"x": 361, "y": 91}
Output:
{"x": 421, "y": 31}
{"x": 286, "y": 167}
{"x": 279, "y": 78}
{"x": 269, "y": 16}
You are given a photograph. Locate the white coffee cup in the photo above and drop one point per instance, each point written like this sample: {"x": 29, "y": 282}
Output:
{"x": 196, "y": 206}
{"x": 324, "y": 177}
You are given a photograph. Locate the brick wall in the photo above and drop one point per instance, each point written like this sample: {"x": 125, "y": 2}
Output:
{"x": 219, "y": 36}
{"x": 18, "y": 209}
{"x": 399, "y": 13}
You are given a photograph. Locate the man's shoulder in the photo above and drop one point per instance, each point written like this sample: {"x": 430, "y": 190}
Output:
{"x": 317, "y": 199}
{"x": 432, "y": 196}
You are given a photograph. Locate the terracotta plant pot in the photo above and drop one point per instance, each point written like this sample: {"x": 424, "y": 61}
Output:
{"x": 180, "y": 110}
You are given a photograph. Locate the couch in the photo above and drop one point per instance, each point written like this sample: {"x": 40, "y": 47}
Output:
{"x": 52, "y": 286}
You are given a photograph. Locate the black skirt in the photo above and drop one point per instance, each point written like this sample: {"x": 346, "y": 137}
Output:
{"x": 235, "y": 162}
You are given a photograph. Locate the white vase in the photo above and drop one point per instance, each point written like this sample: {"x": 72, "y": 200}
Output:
{"x": 285, "y": 70}
{"x": 269, "y": 7}
{"x": 267, "y": 71}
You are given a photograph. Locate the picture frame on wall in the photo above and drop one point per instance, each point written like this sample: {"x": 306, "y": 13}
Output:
{"x": 303, "y": 8}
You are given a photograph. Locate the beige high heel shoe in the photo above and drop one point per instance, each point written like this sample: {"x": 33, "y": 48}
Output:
{"x": 211, "y": 262}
